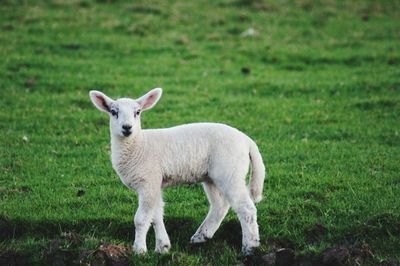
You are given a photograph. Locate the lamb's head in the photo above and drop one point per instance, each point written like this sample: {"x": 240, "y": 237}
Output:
{"x": 125, "y": 112}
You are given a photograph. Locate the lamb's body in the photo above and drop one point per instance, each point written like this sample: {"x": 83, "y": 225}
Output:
{"x": 215, "y": 154}
{"x": 182, "y": 154}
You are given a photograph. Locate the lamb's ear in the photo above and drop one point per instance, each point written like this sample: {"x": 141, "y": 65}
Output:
{"x": 101, "y": 101}
{"x": 150, "y": 99}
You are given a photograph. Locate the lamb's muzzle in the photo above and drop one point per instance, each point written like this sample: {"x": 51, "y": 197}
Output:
{"x": 126, "y": 130}
{"x": 215, "y": 154}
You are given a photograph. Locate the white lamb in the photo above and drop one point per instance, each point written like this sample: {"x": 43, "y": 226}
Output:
{"x": 215, "y": 154}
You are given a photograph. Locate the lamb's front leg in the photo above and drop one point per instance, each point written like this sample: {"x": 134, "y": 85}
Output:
{"x": 143, "y": 218}
{"x": 162, "y": 240}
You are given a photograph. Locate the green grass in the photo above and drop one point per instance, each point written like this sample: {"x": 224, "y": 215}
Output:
{"x": 321, "y": 100}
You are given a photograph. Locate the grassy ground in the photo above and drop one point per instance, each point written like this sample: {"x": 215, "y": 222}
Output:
{"x": 317, "y": 87}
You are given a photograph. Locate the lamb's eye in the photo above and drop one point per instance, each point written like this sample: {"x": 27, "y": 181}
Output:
{"x": 114, "y": 113}
{"x": 137, "y": 112}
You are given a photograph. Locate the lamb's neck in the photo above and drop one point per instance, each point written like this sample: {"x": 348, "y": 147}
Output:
{"x": 127, "y": 146}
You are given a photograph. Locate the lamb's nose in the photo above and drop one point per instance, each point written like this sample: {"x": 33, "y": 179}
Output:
{"x": 126, "y": 127}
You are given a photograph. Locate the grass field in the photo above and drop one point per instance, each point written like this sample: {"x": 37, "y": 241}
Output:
{"x": 317, "y": 86}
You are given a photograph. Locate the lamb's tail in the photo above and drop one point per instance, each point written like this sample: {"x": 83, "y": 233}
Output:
{"x": 258, "y": 173}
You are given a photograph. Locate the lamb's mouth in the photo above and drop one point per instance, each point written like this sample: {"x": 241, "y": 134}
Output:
{"x": 126, "y": 133}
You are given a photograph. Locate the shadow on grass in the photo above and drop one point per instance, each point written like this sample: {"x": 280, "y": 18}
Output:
{"x": 178, "y": 227}
{"x": 20, "y": 228}
{"x": 180, "y": 230}
{"x": 72, "y": 234}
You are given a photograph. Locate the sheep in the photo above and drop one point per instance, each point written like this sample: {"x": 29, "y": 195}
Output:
{"x": 214, "y": 154}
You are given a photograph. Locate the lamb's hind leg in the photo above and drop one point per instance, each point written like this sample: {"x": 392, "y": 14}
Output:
{"x": 218, "y": 210}
{"x": 238, "y": 197}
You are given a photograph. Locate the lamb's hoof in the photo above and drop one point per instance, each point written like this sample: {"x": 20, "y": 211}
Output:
{"x": 163, "y": 248}
{"x": 198, "y": 238}
{"x": 248, "y": 250}
{"x": 139, "y": 250}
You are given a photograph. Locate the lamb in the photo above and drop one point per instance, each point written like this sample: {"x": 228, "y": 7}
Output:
{"x": 216, "y": 155}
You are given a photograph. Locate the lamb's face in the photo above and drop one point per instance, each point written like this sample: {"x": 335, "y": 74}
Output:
{"x": 124, "y": 117}
{"x": 125, "y": 113}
